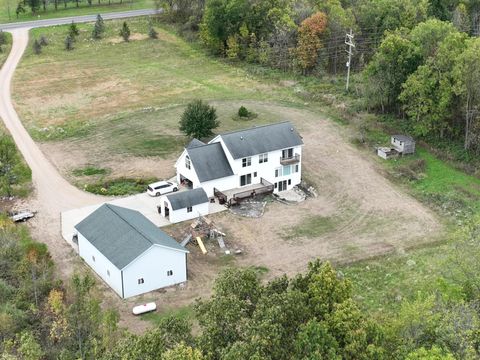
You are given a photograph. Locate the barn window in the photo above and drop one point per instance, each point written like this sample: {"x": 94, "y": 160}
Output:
{"x": 169, "y": 272}
{"x": 108, "y": 272}
{"x": 140, "y": 281}
{"x": 93, "y": 258}
{"x": 189, "y": 209}
{"x": 187, "y": 162}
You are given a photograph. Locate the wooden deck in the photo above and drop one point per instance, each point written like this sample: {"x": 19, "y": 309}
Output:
{"x": 234, "y": 196}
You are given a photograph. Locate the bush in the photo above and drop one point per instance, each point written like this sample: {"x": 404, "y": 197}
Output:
{"x": 412, "y": 170}
{"x": 121, "y": 186}
{"x": 69, "y": 43}
{"x": 37, "y": 48}
{"x": 152, "y": 33}
{"x": 243, "y": 112}
{"x": 73, "y": 30}
{"x": 199, "y": 119}
{"x": 125, "y": 32}
{"x": 43, "y": 40}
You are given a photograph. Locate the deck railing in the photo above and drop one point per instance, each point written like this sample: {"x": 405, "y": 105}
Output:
{"x": 290, "y": 160}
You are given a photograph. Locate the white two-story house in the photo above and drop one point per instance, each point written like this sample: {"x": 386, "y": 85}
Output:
{"x": 244, "y": 160}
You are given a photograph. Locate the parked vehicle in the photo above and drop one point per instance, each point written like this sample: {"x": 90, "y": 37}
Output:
{"x": 161, "y": 187}
{"x": 23, "y": 215}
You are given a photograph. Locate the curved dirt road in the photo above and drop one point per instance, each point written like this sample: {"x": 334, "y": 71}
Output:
{"x": 53, "y": 194}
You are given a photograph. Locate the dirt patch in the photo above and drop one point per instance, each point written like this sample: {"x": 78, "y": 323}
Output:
{"x": 133, "y": 37}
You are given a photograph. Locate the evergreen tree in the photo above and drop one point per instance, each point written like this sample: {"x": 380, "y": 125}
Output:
{"x": 152, "y": 33}
{"x": 37, "y": 48}
{"x": 69, "y": 43}
{"x": 73, "y": 30}
{"x": 125, "y": 32}
{"x": 43, "y": 40}
{"x": 99, "y": 28}
{"x": 20, "y": 9}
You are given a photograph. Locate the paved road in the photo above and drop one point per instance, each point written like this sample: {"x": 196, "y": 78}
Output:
{"x": 77, "y": 19}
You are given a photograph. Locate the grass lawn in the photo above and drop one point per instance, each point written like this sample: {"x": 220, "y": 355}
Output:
{"x": 382, "y": 284}
{"x": 5, "y": 49}
{"x": 114, "y": 100}
{"x": 70, "y": 10}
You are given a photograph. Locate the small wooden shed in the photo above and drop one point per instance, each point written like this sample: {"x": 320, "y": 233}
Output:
{"x": 403, "y": 144}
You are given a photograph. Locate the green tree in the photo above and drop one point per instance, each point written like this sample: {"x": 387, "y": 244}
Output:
{"x": 314, "y": 342}
{"x": 98, "y": 28}
{"x": 125, "y": 32}
{"x": 28, "y": 347}
{"x": 69, "y": 43}
{"x": 8, "y": 165}
{"x": 34, "y": 5}
{"x": 182, "y": 352}
{"x": 20, "y": 9}
{"x": 435, "y": 353}
{"x": 199, "y": 119}
{"x": 37, "y": 48}
{"x": 73, "y": 31}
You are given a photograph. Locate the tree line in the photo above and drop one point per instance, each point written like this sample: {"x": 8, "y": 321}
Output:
{"x": 313, "y": 315}
{"x": 435, "y": 90}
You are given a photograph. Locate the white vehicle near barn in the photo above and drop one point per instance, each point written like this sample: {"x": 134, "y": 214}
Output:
{"x": 161, "y": 187}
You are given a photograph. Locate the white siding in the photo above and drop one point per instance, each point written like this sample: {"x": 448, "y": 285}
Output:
{"x": 190, "y": 174}
{"x": 152, "y": 267}
{"x": 180, "y": 215}
{"x": 221, "y": 184}
{"x": 100, "y": 265}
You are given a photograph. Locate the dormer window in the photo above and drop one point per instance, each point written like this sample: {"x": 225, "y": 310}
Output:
{"x": 246, "y": 161}
{"x": 188, "y": 164}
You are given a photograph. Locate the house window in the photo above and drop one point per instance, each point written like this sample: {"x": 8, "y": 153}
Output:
{"x": 263, "y": 158}
{"x": 108, "y": 272}
{"x": 287, "y": 170}
{"x": 246, "y": 161}
{"x": 140, "y": 281}
{"x": 245, "y": 179}
{"x": 93, "y": 258}
{"x": 287, "y": 153}
{"x": 289, "y": 181}
{"x": 278, "y": 172}
{"x": 169, "y": 272}
{"x": 276, "y": 185}
{"x": 255, "y": 174}
{"x": 297, "y": 168}
{"x": 187, "y": 162}
{"x": 189, "y": 209}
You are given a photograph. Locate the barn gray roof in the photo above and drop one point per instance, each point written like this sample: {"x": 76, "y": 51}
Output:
{"x": 122, "y": 235}
{"x": 404, "y": 138}
{"x": 195, "y": 143}
{"x": 261, "y": 139}
{"x": 184, "y": 199}
{"x": 210, "y": 162}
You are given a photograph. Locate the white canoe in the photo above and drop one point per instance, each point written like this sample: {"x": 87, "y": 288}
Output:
{"x": 142, "y": 309}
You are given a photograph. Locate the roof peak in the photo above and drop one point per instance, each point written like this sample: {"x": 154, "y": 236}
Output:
{"x": 255, "y": 127}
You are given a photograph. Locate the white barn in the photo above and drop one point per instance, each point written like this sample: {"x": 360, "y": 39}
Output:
{"x": 244, "y": 161}
{"x": 129, "y": 252}
{"x": 184, "y": 205}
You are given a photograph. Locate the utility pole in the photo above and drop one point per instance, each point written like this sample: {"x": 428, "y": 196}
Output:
{"x": 351, "y": 45}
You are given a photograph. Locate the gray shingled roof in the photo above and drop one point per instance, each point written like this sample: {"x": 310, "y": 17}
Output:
{"x": 403, "y": 138}
{"x": 184, "y": 199}
{"x": 194, "y": 143}
{"x": 261, "y": 139}
{"x": 210, "y": 162}
{"x": 122, "y": 235}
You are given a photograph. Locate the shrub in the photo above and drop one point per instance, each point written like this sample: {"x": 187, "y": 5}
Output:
{"x": 3, "y": 38}
{"x": 125, "y": 32}
{"x": 99, "y": 28}
{"x": 152, "y": 33}
{"x": 37, "y": 48}
{"x": 199, "y": 119}
{"x": 243, "y": 112}
{"x": 73, "y": 30}
{"x": 43, "y": 40}
{"x": 69, "y": 43}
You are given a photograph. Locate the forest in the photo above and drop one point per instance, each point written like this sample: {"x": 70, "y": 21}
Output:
{"x": 413, "y": 60}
